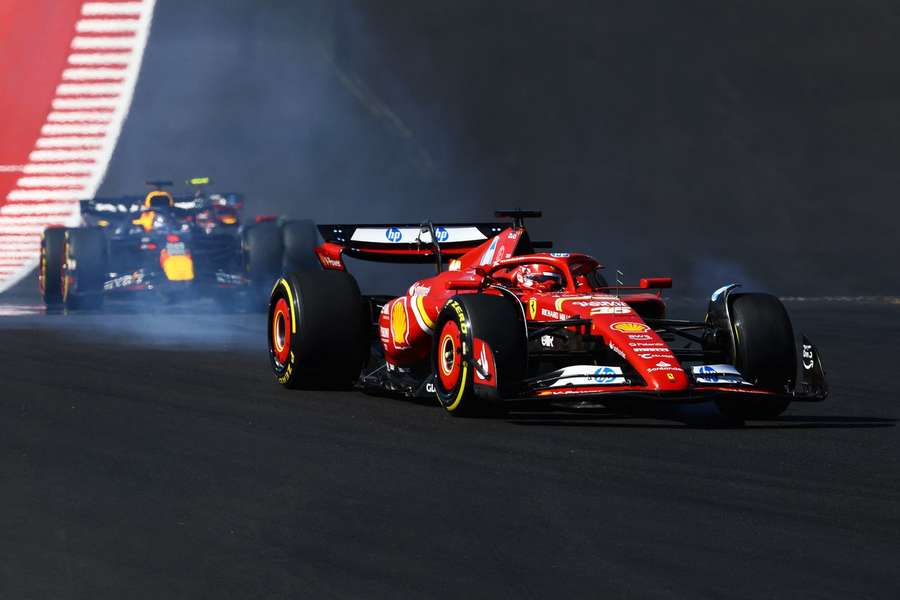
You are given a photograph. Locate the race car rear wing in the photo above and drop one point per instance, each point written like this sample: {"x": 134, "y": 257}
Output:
{"x": 409, "y": 243}
{"x": 121, "y": 206}
{"x": 103, "y": 211}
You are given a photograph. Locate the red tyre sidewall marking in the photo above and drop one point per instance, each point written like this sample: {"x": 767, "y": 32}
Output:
{"x": 449, "y": 374}
{"x": 281, "y": 313}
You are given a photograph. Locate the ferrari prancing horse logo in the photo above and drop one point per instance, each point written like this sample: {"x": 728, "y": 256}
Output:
{"x": 532, "y": 308}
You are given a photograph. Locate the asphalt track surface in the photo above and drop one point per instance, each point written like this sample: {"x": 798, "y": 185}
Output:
{"x": 154, "y": 456}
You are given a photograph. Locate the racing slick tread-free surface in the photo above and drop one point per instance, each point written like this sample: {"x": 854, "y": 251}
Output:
{"x": 88, "y": 250}
{"x": 53, "y": 249}
{"x": 300, "y": 238}
{"x": 263, "y": 251}
{"x": 332, "y": 330}
{"x": 498, "y": 321}
{"x": 766, "y": 353}
{"x": 154, "y": 456}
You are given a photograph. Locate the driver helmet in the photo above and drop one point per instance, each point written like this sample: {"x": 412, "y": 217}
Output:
{"x": 159, "y": 199}
{"x": 538, "y": 277}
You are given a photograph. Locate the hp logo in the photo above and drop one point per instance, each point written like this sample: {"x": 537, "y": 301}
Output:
{"x": 393, "y": 234}
{"x": 441, "y": 234}
{"x": 604, "y": 375}
{"x": 709, "y": 373}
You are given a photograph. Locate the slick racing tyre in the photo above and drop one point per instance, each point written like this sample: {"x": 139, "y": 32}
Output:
{"x": 85, "y": 268}
{"x": 262, "y": 249}
{"x": 459, "y": 364}
{"x": 318, "y": 330}
{"x": 53, "y": 249}
{"x": 765, "y": 354}
{"x": 300, "y": 239}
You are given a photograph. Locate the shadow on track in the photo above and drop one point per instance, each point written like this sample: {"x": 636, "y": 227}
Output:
{"x": 824, "y": 422}
{"x": 692, "y": 421}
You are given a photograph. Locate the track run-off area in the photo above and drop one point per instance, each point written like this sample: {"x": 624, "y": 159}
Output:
{"x": 151, "y": 454}
{"x": 75, "y": 64}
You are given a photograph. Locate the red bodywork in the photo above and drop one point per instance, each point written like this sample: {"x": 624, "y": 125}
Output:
{"x": 406, "y": 324}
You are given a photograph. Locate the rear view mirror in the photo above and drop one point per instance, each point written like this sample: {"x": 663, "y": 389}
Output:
{"x": 656, "y": 283}
{"x": 463, "y": 284}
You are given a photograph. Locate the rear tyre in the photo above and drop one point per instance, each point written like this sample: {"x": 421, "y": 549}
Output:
{"x": 300, "y": 239}
{"x": 495, "y": 320}
{"x": 765, "y": 354}
{"x": 263, "y": 250}
{"x": 85, "y": 268}
{"x": 53, "y": 249}
{"x": 318, "y": 330}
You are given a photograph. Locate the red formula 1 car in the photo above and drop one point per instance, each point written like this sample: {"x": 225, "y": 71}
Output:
{"x": 505, "y": 325}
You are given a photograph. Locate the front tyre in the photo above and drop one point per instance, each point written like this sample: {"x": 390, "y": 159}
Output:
{"x": 765, "y": 354}
{"x": 478, "y": 335}
{"x": 50, "y": 274}
{"x": 84, "y": 268}
{"x": 318, "y": 330}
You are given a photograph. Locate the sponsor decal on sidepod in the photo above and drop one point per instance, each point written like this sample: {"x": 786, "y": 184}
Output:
{"x": 629, "y": 327}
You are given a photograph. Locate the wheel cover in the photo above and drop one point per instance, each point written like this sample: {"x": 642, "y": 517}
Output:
{"x": 281, "y": 331}
{"x": 449, "y": 358}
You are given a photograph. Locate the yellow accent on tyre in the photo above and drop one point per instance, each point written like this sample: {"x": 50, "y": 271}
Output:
{"x": 287, "y": 288}
{"x": 462, "y": 389}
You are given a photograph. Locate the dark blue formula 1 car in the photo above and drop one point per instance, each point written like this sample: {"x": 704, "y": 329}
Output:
{"x": 169, "y": 247}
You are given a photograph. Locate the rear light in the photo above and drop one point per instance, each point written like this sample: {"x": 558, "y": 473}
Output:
{"x": 264, "y": 218}
{"x": 172, "y": 238}
{"x": 150, "y": 246}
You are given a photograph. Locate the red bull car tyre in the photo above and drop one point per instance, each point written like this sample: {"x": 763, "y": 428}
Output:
{"x": 50, "y": 272}
{"x": 84, "y": 268}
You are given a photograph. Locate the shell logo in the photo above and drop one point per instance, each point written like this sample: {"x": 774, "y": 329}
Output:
{"x": 629, "y": 327}
{"x": 399, "y": 322}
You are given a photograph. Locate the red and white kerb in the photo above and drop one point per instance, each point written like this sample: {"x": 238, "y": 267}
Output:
{"x": 76, "y": 63}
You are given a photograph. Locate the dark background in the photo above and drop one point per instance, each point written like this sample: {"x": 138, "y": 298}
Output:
{"x": 148, "y": 452}
{"x": 713, "y": 141}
